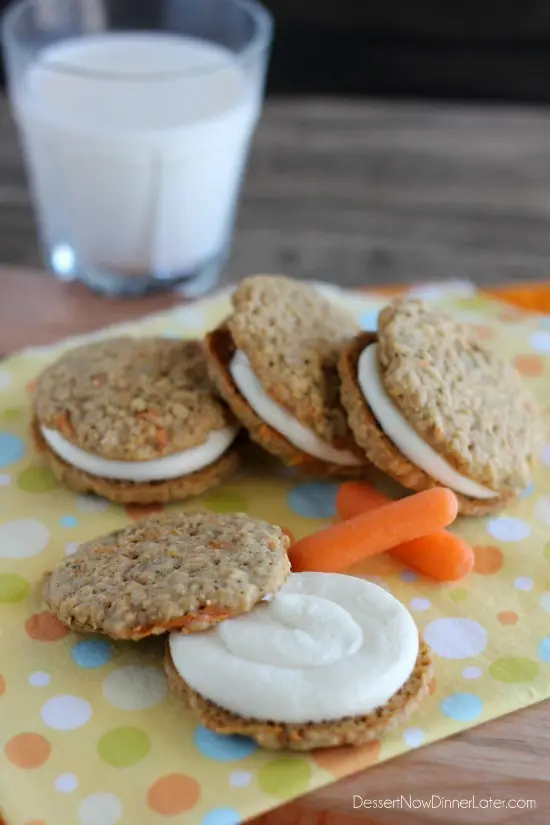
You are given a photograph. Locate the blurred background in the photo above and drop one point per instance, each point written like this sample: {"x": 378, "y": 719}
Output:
{"x": 402, "y": 141}
{"x": 489, "y": 50}
{"x": 427, "y": 48}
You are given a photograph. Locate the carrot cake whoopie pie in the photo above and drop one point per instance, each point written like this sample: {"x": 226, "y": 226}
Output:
{"x": 185, "y": 571}
{"x": 134, "y": 420}
{"x": 274, "y": 360}
{"x": 330, "y": 660}
{"x": 430, "y": 405}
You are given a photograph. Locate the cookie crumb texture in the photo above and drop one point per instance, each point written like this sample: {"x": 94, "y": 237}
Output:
{"x": 381, "y": 450}
{"x": 465, "y": 401}
{"x": 131, "y": 399}
{"x": 292, "y": 336}
{"x": 353, "y": 730}
{"x": 221, "y": 349}
{"x": 166, "y": 572}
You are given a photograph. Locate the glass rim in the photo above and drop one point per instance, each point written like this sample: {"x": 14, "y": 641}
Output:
{"x": 259, "y": 43}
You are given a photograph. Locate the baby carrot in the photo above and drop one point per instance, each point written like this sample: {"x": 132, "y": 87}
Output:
{"x": 441, "y": 555}
{"x": 340, "y": 546}
{"x": 356, "y": 497}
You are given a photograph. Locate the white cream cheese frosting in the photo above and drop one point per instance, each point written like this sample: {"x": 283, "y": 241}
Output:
{"x": 158, "y": 469}
{"x": 281, "y": 420}
{"x": 404, "y": 436}
{"x": 325, "y": 647}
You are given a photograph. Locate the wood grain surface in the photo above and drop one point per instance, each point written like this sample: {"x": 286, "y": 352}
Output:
{"x": 362, "y": 193}
{"x": 359, "y": 194}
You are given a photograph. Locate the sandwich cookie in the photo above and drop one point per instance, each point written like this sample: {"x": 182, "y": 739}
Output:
{"x": 185, "y": 571}
{"x": 134, "y": 420}
{"x": 331, "y": 660}
{"x": 431, "y": 406}
{"x": 274, "y": 360}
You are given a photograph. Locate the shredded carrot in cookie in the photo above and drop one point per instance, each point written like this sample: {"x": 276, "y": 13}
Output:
{"x": 188, "y": 623}
{"x": 63, "y": 423}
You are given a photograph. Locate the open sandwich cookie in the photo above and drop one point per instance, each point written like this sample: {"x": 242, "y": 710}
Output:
{"x": 274, "y": 360}
{"x": 183, "y": 571}
{"x": 431, "y": 406}
{"x": 330, "y": 660}
{"x": 134, "y": 420}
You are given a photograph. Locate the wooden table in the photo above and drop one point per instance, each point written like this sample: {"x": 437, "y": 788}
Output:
{"x": 359, "y": 194}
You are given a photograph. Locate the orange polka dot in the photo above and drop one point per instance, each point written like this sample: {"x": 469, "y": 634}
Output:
{"x": 173, "y": 794}
{"x": 342, "y": 761}
{"x": 432, "y": 686}
{"x": 2, "y": 690}
{"x": 488, "y": 559}
{"x": 31, "y": 385}
{"x": 507, "y": 617}
{"x": 529, "y": 365}
{"x": 137, "y": 511}
{"x": 482, "y": 332}
{"x": 43, "y": 627}
{"x": 28, "y": 750}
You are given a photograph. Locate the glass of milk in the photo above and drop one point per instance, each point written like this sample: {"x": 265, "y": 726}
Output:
{"x": 136, "y": 119}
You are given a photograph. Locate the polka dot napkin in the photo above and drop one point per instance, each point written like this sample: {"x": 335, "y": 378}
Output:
{"x": 89, "y": 735}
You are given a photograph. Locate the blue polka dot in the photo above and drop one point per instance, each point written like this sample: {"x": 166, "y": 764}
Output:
{"x": 315, "y": 499}
{"x": 221, "y": 816}
{"x": 462, "y": 707}
{"x": 544, "y": 649}
{"x": 12, "y": 448}
{"x": 408, "y": 576}
{"x": 223, "y": 748}
{"x": 369, "y": 320}
{"x": 68, "y": 521}
{"x": 528, "y": 491}
{"x": 91, "y": 653}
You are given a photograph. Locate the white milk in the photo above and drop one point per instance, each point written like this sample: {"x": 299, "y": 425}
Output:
{"x": 136, "y": 145}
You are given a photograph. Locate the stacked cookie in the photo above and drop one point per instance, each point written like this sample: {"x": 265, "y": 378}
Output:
{"x": 301, "y": 661}
{"x": 431, "y": 406}
{"x": 134, "y": 420}
{"x": 275, "y": 362}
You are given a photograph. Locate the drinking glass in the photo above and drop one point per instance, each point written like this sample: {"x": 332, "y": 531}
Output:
{"x": 136, "y": 120}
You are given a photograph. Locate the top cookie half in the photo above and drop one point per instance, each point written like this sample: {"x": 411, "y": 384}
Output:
{"x": 464, "y": 401}
{"x": 181, "y": 571}
{"x": 291, "y": 336}
{"x": 131, "y": 399}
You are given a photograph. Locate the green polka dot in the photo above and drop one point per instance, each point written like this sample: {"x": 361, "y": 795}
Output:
{"x": 458, "y": 594}
{"x": 474, "y": 302}
{"x": 546, "y": 551}
{"x": 513, "y": 669}
{"x": 13, "y": 588}
{"x": 125, "y": 746}
{"x": 12, "y": 414}
{"x": 225, "y": 501}
{"x": 285, "y": 777}
{"x": 37, "y": 480}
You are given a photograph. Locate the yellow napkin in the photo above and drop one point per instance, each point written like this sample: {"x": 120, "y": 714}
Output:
{"x": 88, "y": 734}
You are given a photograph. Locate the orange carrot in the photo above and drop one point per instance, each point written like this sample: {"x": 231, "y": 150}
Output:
{"x": 355, "y": 497}
{"x": 338, "y": 547}
{"x": 441, "y": 555}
